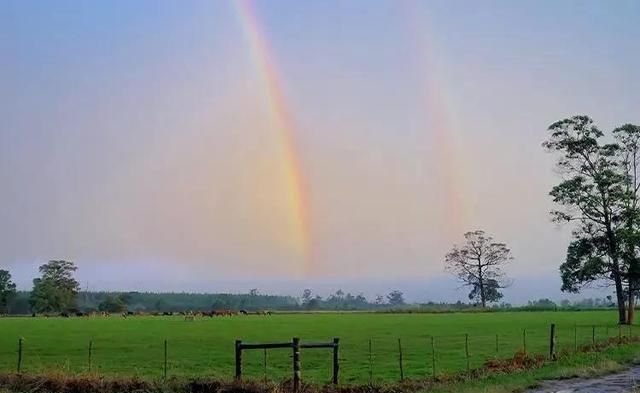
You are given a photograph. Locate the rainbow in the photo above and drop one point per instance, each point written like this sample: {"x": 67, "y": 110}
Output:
{"x": 449, "y": 158}
{"x": 296, "y": 190}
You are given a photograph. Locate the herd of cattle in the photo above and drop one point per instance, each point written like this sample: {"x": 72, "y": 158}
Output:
{"x": 186, "y": 314}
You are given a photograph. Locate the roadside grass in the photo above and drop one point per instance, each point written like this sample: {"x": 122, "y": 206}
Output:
{"x": 577, "y": 365}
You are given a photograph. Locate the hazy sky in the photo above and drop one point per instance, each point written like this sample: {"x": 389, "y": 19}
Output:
{"x": 167, "y": 144}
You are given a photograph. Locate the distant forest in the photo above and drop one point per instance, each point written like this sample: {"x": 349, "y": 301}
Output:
{"x": 163, "y": 302}
{"x": 340, "y": 301}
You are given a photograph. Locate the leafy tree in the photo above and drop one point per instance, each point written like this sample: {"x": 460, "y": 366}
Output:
{"x": 395, "y": 298}
{"x": 599, "y": 195}
{"x": 7, "y": 291}
{"x": 628, "y": 138}
{"x": 112, "y": 304}
{"x": 543, "y": 303}
{"x": 314, "y": 303}
{"x": 361, "y": 300}
{"x": 478, "y": 264}
{"x": 492, "y": 292}
{"x": 306, "y": 297}
{"x": 56, "y": 289}
{"x": 126, "y": 297}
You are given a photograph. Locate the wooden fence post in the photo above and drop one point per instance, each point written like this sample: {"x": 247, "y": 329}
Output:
{"x": 619, "y": 334}
{"x": 575, "y": 337}
{"x": 238, "y": 359}
{"x": 593, "y": 336}
{"x": 552, "y": 342}
{"x": 400, "y": 360}
{"x": 370, "y": 365}
{"x": 90, "y": 354}
{"x": 466, "y": 350}
{"x": 165, "y": 358}
{"x": 336, "y": 364}
{"x": 19, "y": 355}
{"x": 497, "y": 345}
{"x": 264, "y": 365}
{"x": 524, "y": 341}
{"x": 433, "y": 357}
{"x": 296, "y": 363}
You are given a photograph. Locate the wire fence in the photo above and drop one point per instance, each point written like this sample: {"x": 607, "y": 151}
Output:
{"x": 362, "y": 360}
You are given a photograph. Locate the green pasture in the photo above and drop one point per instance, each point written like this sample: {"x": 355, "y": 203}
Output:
{"x": 205, "y": 347}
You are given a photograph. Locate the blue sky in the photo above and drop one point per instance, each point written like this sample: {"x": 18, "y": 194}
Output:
{"x": 135, "y": 134}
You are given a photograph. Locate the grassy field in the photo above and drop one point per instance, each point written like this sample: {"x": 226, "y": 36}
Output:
{"x": 205, "y": 347}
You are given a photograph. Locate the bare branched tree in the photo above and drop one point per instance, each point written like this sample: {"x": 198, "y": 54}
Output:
{"x": 478, "y": 264}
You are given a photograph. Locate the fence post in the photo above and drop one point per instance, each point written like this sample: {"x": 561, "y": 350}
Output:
{"x": 575, "y": 337}
{"x": 552, "y": 342}
{"x": 265, "y": 365}
{"x": 466, "y": 349}
{"x": 524, "y": 341}
{"x": 433, "y": 357}
{"x": 336, "y": 364}
{"x": 497, "y": 345}
{"x": 165, "y": 358}
{"x": 370, "y": 365}
{"x": 19, "y": 355}
{"x": 238, "y": 359}
{"x": 619, "y": 334}
{"x": 593, "y": 336}
{"x": 296, "y": 364}
{"x": 90, "y": 354}
{"x": 400, "y": 360}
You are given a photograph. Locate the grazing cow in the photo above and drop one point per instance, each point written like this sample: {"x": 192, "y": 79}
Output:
{"x": 244, "y": 312}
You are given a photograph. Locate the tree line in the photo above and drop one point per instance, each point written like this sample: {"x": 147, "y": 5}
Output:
{"x": 56, "y": 290}
{"x": 26, "y": 302}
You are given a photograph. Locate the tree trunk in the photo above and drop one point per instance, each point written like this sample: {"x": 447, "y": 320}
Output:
{"x": 631, "y": 309}
{"x": 622, "y": 314}
{"x": 483, "y": 298}
{"x": 615, "y": 271}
